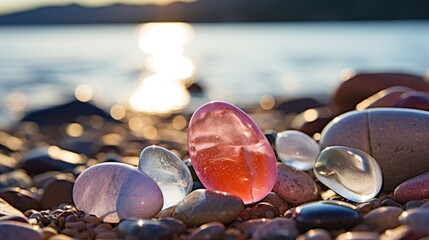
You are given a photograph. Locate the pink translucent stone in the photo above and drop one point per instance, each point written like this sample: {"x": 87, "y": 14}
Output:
{"x": 230, "y": 153}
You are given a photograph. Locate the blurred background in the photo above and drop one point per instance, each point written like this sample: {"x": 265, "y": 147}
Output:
{"x": 162, "y": 56}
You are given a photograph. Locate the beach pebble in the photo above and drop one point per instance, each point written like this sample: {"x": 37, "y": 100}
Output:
{"x": 57, "y": 191}
{"x": 17, "y": 218}
{"x": 168, "y": 171}
{"x": 52, "y": 158}
{"x": 20, "y": 198}
{"x": 360, "y": 86}
{"x": 144, "y": 229}
{"x": 281, "y": 204}
{"x": 417, "y": 218}
{"x": 250, "y": 226}
{"x": 350, "y": 172}
{"x": 213, "y": 230}
{"x": 175, "y": 225}
{"x": 313, "y": 120}
{"x": 383, "y": 218}
{"x": 16, "y": 178}
{"x": 203, "y": 206}
{"x": 296, "y": 149}
{"x": 295, "y": 186}
{"x": 395, "y": 137}
{"x": 315, "y": 234}
{"x": 230, "y": 153}
{"x": 278, "y": 228}
{"x": 416, "y": 100}
{"x": 264, "y": 210}
{"x": 402, "y": 232}
{"x": 12, "y": 230}
{"x": 359, "y": 235}
{"x": 329, "y": 214}
{"x": 113, "y": 191}
{"x": 8, "y": 210}
{"x": 416, "y": 188}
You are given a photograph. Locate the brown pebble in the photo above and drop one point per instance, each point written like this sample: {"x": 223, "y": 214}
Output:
{"x": 60, "y": 237}
{"x": 70, "y": 232}
{"x": 413, "y": 204}
{"x": 391, "y": 202}
{"x": 401, "y": 233}
{"x": 70, "y": 218}
{"x": 281, "y": 204}
{"x": 278, "y": 228}
{"x": 246, "y": 214}
{"x": 289, "y": 213}
{"x": 264, "y": 210}
{"x": 80, "y": 226}
{"x": 315, "y": 234}
{"x": 102, "y": 228}
{"x": 249, "y": 227}
{"x": 48, "y": 232}
{"x": 358, "y": 236}
{"x": 84, "y": 235}
{"x": 233, "y": 234}
{"x": 111, "y": 234}
{"x": 383, "y": 218}
{"x": 175, "y": 225}
{"x": 91, "y": 219}
{"x": 168, "y": 212}
{"x": 369, "y": 206}
{"x": 213, "y": 230}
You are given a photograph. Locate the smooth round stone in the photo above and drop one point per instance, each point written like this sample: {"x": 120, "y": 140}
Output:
{"x": 278, "y": 228}
{"x": 113, "y": 191}
{"x": 296, "y": 149}
{"x": 294, "y": 186}
{"x": 203, "y": 206}
{"x": 57, "y": 191}
{"x": 8, "y": 210}
{"x": 402, "y": 232}
{"x": 328, "y": 215}
{"x": 17, "y": 178}
{"x": 363, "y": 85}
{"x": 169, "y": 172}
{"x": 417, "y": 218}
{"x": 358, "y": 235}
{"x": 230, "y": 153}
{"x": 383, "y": 218}
{"x": 22, "y": 199}
{"x": 415, "y": 188}
{"x": 12, "y": 230}
{"x": 350, "y": 172}
{"x": 397, "y": 138}
{"x": 315, "y": 234}
{"x": 213, "y": 230}
{"x": 144, "y": 229}
{"x": 416, "y": 100}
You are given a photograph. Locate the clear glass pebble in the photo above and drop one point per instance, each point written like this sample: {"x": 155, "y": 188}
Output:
{"x": 350, "y": 172}
{"x": 296, "y": 149}
{"x": 168, "y": 171}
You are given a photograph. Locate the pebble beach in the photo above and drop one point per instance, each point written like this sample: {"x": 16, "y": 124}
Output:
{"x": 63, "y": 167}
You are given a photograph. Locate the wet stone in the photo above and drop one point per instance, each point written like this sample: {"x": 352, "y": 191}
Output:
{"x": 249, "y": 227}
{"x": 383, "y": 218}
{"x": 57, "y": 191}
{"x": 350, "y": 172}
{"x": 361, "y": 235}
{"x": 20, "y": 198}
{"x": 294, "y": 186}
{"x": 278, "y": 228}
{"x": 296, "y": 149}
{"x": 213, "y": 230}
{"x": 315, "y": 234}
{"x": 168, "y": 171}
{"x": 328, "y": 214}
{"x": 264, "y": 210}
{"x": 12, "y": 230}
{"x": 144, "y": 229}
{"x": 391, "y": 202}
{"x": 402, "y": 232}
{"x": 15, "y": 178}
{"x": 230, "y": 153}
{"x": 204, "y": 206}
{"x": 415, "y": 188}
{"x": 114, "y": 191}
{"x": 416, "y": 218}
{"x": 175, "y": 225}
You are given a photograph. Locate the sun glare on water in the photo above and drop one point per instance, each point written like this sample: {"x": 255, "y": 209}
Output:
{"x": 170, "y": 71}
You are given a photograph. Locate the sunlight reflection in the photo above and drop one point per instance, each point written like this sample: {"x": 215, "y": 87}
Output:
{"x": 164, "y": 38}
{"x": 165, "y": 90}
{"x": 159, "y": 95}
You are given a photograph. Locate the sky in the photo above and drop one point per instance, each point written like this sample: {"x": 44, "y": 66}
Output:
{"x": 9, "y": 6}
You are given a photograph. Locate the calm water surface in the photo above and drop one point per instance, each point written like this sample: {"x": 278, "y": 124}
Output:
{"x": 234, "y": 62}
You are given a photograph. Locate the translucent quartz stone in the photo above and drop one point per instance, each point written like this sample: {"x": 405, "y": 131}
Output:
{"x": 297, "y": 149}
{"x": 114, "y": 191}
{"x": 168, "y": 171}
{"x": 230, "y": 153}
{"x": 350, "y": 172}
